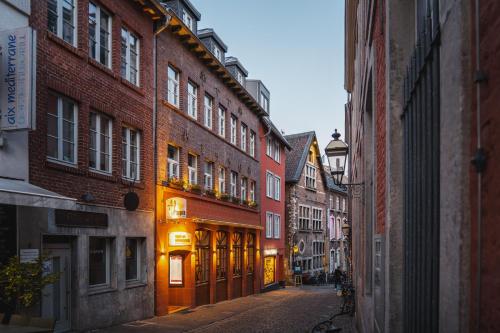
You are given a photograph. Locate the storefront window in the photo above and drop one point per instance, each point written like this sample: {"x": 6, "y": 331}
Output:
{"x": 221, "y": 253}
{"x": 202, "y": 259}
{"x": 99, "y": 261}
{"x": 251, "y": 253}
{"x": 238, "y": 254}
{"x": 132, "y": 259}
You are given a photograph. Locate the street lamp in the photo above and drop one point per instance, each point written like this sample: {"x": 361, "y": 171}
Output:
{"x": 346, "y": 229}
{"x": 337, "y": 151}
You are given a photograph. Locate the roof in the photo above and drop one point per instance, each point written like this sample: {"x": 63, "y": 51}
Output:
{"x": 209, "y": 32}
{"x": 331, "y": 185}
{"x": 297, "y": 157}
{"x": 234, "y": 61}
{"x": 269, "y": 124}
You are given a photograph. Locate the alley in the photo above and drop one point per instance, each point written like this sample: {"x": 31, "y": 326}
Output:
{"x": 286, "y": 310}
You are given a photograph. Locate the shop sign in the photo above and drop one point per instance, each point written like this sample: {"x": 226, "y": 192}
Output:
{"x": 28, "y": 255}
{"x": 270, "y": 252}
{"x": 17, "y": 78}
{"x": 179, "y": 238}
{"x": 176, "y": 208}
{"x": 80, "y": 219}
{"x": 175, "y": 277}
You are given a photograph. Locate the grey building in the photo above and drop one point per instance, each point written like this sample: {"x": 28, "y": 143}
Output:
{"x": 259, "y": 91}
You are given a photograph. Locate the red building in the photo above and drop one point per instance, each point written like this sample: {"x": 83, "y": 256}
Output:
{"x": 272, "y": 201}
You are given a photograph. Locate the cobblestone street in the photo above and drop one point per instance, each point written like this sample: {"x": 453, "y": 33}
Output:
{"x": 286, "y": 310}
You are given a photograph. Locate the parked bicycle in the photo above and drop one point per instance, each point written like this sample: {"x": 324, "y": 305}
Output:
{"x": 347, "y": 307}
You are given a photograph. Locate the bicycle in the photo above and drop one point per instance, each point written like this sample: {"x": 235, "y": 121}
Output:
{"x": 347, "y": 307}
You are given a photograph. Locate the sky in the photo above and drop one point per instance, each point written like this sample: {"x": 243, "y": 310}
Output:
{"x": 296, "y": 50}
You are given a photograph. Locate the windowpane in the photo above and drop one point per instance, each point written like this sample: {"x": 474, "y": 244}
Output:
{"x": 131, "y": 259}
{"x": 68, "y": 21}
{"x": 92, "y": 30}
{"x": 98, "y": 260}
{"x": 52, "y": 15}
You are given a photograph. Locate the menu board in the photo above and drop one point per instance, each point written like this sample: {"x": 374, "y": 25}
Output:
{"x": 8, "y": 233}
{"x": 175, "y": 278}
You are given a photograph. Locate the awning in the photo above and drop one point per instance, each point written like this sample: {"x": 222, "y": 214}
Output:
{"x": 20, "y": 193}
{"x": 229, "y": 224}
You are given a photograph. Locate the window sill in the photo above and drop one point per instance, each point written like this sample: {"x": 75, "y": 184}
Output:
{"x": 132, "y": 86}
{"x": 65, "y": 45}
{"x": 102, "y": 67}
{"x": 318, "y": 231}
{"x": 135, "y": 284}
{"x": 63, "y": 166}
{"x": 100, "y": 290}
{"x": 312, "y": 189}
{"x": 131, "y": 183}
{"x": 102, "y": 175}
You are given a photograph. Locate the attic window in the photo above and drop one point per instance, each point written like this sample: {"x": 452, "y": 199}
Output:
{"x": 187, "y": 19}
{"x": 264, "y": 102}
{"x": 217, "y": 53}
{"x": 239, "y": 77}
{"x": 310, "y": 158}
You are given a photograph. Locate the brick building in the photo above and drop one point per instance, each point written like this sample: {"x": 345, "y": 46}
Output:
{"x": 422, "y": 103}
{"x": 208, "y": 222}
{"x": 306, "y": 204}
{"x": 87, "y": 149}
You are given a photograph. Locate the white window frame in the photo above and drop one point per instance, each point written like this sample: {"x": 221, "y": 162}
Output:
{"x": 139, "y": 243}
{"x": 127, "y": 158}
{"x": 252, "y": 143}
{"x": 269, "y": 184}
{"x": 234, "y": 124}
{"x": 243, "y": 139}
{"x": 269, "y": 224}
{"x": 192, "y": 100}
{"x": 218, "y": 53}
{"x": 252, "y": 190}
{"x": 222, "y": 179}
{"x": 264, "y": 102}
{"x": 244, "y": 188}
{"x": 108, "y": 264}
{"x": 269, "y": 147}
{"x": 277, "y": 188}
{"x": 98, "y": 133}
{"x": 173, "y": 164}
{"x": 306, "y": 219}
{"x": 208, "y": 179}
{"x": 128, "y": 64}
{"x": 338, "y": 203}
{"x": 209, "y": 102}
{"x": 187, "y": 19}
{"x": 97, "y": 37}
{"x": 317, "y": 218}
{"x": 60, "y": 140}
{"x": 277, "y": 226}
{"x": 222, "y": 122}
{"x": 310, "y": 176}
{"x": 277, "y": 151}
{"x": 233, "y": 184}
{"x": 173, "y": 86}
{"x": 343, "y": 205}
{"x": 239, "y": 77}
{"x": 59, "y": 24}
{"x": 193, "y": 170}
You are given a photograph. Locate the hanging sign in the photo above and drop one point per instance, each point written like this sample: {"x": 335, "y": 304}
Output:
{"x": 175, "y": 277}
{"x": 17, "y": 79}
{"x": 179, "y": 238}
{"x": 176, "y": 208}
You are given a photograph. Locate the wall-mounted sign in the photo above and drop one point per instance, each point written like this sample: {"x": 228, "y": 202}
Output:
{"x": 179, "y": 238}
{"x": 176, "y": 208}
{"x": 81, "y": 219}
{"x": 270, "y": 252}
{"x": 28, "y": 255}
{"x": 17, "y": 78}
{"x": 175, "y": 276}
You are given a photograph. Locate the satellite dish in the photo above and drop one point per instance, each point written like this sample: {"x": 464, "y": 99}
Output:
{"x": 131, "y": 201}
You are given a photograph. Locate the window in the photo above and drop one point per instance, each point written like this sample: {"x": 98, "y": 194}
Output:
{"x": 99, "y": 261}
{"x": 304, "y": 216}
{"x": 234, "y": 179}
{"x": 243, "y": 139}
{"x": 238, "y": 253}
{"x": 252, "y": 143}
{"x": 330, "y": 198}
{"x": 218, "y": 53}
{"x": 277, "y": 151}
{"x": 221, "y": 255}
{"x": 252, "y": 191}
{"x": 269, "y": 185}
{"x": 317, "y": 216}
{"x": 269, "y": 225}
{"x": 192, "y": 169}
{"x": 101, "y": 128}
{"x": 277, "y": 226}
{"x": 239, "y": 77}
{"x": 187, "y": 19}
{"x": 244, "y": 188}
{"x": 222, "y": 180}
{"x": 62, "y": 129}
{"x": 62, "y": 19}
{"x": 202, "y": 256}
{"x": 130, "y": 57}
{"x": 173, "y": 162}
{"x": 222, "y": 122}
{"x": 310, "y": 157}
{"x": 318, "y": 250}
{"x": 130, "y": 153}
{"x": 310, "y": 176}
{"x": 338, "y": 204}
{"x": 343, "y": 204}
{"x": 277, "y": 188}
{"x": 251, "y": 253}
{"x": 192, "y": 100}
{"x": 173, "y": 86}
{"x": 133, "y": 258}
{"x": 233, "y": 129}
{"x": 269, "y": 147}
{"x": 264, "y": 102}
{"x": 208, "y": 110}
{"x": 208, "y": 176}
{"x": 99, "y": 35}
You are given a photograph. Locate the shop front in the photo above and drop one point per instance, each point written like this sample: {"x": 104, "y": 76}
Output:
{"x": 207, "y": 251}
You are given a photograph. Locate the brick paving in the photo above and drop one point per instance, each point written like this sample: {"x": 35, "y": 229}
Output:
{"x": 285, "y": 310}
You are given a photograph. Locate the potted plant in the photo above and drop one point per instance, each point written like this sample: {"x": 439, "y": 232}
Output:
{"x": 244, "y": 202}
{"x": 225, "y": 197}
{"x": 195, "y": 188}
{"x": 235, "y": 200}
{"x": 252, "y": 204}
{"x": 176, "y": 183}
{"x": 210, "y": 193}
{"x": 22, "y": 283}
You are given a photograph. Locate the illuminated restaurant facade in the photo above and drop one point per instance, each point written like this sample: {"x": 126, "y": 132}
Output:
{"x": 207, "y": 218}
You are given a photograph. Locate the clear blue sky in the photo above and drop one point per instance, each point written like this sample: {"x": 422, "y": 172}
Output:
{"x": 296, "y": 48}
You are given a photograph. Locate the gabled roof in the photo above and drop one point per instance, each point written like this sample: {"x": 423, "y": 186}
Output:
{"x": 270, "y": 126}
{"x": 297, "y": 157}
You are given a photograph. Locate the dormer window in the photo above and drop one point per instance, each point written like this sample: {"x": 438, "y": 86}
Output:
{"x": 239, "y": 77}
{"x": 187, "y": 19}
{"x": 218, "y": 53}
{"x": 264, "y": 102}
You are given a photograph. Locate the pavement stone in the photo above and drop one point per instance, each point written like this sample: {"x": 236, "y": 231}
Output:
{"x": 285, "y": 310}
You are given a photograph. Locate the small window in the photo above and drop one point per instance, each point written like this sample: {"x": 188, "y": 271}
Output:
{"x": 269, "y": 225}
{"x": 244, "y": 188}
{"x": 173, "y": 162}
{"x": 269, "y": 185}
{"x": 131, "y": 139}
{"x": 218, "y": 53}
{"x": 62, "y": 129}
{"x": 269, "y": 147}
{"x": 239, "y": 77}
{"x": 187, "y": 19}
{"x": 192, "y": 100}
{"x": 130, "y": 57}
{"x": 310, "y": 176}
{"x": 243, "y": 140}
{"x": 101, "y": 129}
{"x": 233, "y": 129}
{"x": 343, "y": 205}
{"x": 277, "y": 188}
{"x": 208, "y": 110}
{"x": 99, "y": 35}
{"x": 133, "y": 259}
{"x": 304, "y": 217}
{"x": 62, "y": 19}
{"x": 252, "y": 143}
{"x": 277, "y": 226}
{"x": 234, "y": 180}
{"x": 99, "y": 261}
{"x": 252, "y": 191}
{"x": 310, "y": 157}
{"x": 222, "y": 180}
{"x": 173, "y": 86}
{"x": 208, "y": 175}
{"x": 277, "y": 151}
{"x": 222, "y": 122}
{"x": 317, "y": 218}
{"x": 192, "y": 169}
{"x": 264, "y": 102}
{"x": 338, "y": 204}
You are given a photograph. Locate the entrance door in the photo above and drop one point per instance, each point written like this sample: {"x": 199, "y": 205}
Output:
{"x": 269, "y": 270}
{"x": 202, "y": 266}
{"x": 56, "y": 301}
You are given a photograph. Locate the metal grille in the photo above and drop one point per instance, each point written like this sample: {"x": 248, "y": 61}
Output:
{"x": 421, "y": 176}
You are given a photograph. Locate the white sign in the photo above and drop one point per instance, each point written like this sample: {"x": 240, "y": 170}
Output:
{"x": 17, "y": 79}
{"x": 176, "y": 208}
{"x": 270, "y": 252}
{"x": 175, "y": 270}
{"x": 28, "y": 255}
{"x": 179, "y": 238}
